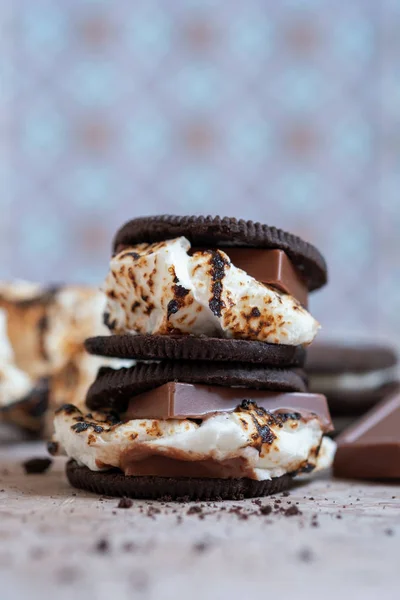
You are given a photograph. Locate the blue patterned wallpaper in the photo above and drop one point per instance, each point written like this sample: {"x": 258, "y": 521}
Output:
{"x": 286, "y": 112}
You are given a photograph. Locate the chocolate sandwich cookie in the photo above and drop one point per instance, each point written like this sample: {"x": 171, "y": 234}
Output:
{"x": 218, "y": 307}
{"x": 114, "y": 388}
{"x": 115, "y": 483}
{"x": 178, "y": 347}
{"x": 354, "y": 378}
{"x": 212, "y": 232}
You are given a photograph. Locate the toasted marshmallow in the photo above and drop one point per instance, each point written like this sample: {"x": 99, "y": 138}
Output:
{"x": 159, "y": 289}
{"x": 267, "y": 445}
{"x": 75, "y": 314}
{"x": 14, "y": 383}
{"x": 20, "y": 290}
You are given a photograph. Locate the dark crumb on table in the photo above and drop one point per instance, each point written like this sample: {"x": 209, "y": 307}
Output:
{"x": 292, "y": 511}
{"x": 125, "y": 503}
{"x": 339, "y": 516}
{"x": 285, "y": 494}
{"x": 201, "y": 547}
{"x": 266, "y": 510}
{"x": 305, "y": 555}
{"x": 35, "y": 466}
{"x": 178, "y": 519}
{"x": 194, "y": 510}
{"x": 129, "y": 547}
{"x": 238, "y": 511}
{"x": 389, "y": 532}
{"x": 102, "y": 546}
{"x": 152, "y": 511}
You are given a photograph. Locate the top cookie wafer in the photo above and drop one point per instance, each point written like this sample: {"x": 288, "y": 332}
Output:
{"x": 225, "y": 232}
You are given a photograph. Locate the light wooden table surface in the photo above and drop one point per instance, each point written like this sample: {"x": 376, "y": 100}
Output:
{"x": 56, "y": 542}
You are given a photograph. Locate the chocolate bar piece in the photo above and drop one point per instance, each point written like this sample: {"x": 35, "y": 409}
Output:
{"x": 182, "y": 401}
{"x": 272, "y": 267}
{"x": 370, "y": 449}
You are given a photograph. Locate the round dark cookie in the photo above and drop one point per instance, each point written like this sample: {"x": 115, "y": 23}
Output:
{"x": 326, "y": 358}
{"x": 114, "y": 388}
{"x": 223, "y": 232}
{"x": 188, "y": 347}
{"x": 115, "y": 483}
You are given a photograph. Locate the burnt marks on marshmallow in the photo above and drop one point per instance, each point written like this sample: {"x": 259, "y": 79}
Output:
{"x": 218, "y": 263}
{"x": 180, "y": 293}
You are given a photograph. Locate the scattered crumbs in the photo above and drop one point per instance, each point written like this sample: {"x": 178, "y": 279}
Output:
{"x": 389, "y": 532}
{"x": 125, "y": 503}
{"x": 257, "y": 502}
{"x": 194, "y": 510}
{"x": 292, "y": 511}
{"x": 266, "y": 510}
{"x": 35, "y": 466}
{"x": 201, "y": 547}
{"x": 129, "y": 546}
{"x": 152, "y": 511}
{"x": 238, "y": 511}
{"x": 278, "y": 501}
{"x": 305, "y": 555}
{"x": 102, "y": 546}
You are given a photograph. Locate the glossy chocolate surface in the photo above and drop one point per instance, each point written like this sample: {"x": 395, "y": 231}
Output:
{"x": 370, "y": 448}
{"x": 182, "y": 400}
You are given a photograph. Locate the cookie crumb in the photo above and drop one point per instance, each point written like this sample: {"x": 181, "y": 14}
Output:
{"x": 305, "y": 555}
{"x": 292, "y": 511}
{"x": 389, "y": 532}
{"x": 201, "y": 547}
{"x": 266, "y": 510}
{"x": 36, "y": 466}
{"x": 125, "y": 503}
{"x": 102, "y": 546}
{"x": 193, "y": 510}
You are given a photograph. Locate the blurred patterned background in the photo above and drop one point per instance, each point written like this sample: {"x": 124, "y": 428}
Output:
{"x": 285, "y": 112}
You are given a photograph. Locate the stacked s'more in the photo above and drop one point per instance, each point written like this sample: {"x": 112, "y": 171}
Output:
{"x": 214, "y": 313}
{"x": 43, "y": 363}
